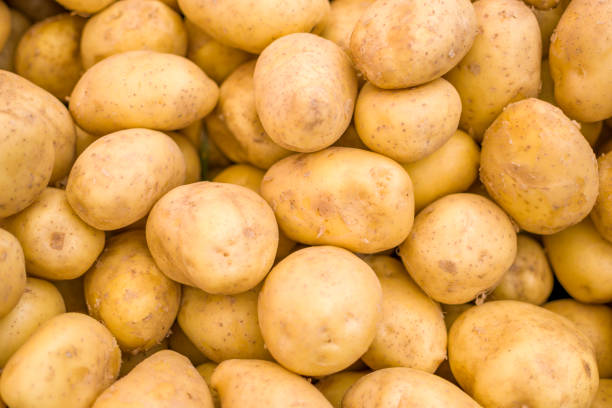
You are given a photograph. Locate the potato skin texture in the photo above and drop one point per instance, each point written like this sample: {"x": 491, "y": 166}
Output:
{"x": 506, "y": 354}
{"x": 341, "y": 20}
{"x": 602, "y": 212}
{"x": 85, "y": 6}
{"x": 603, "y": 398}
{"x": 19, "y": 25}
{"x": 193, "y": 166}
{"x": 341, "y": 196}
{"x": 12, "y": 272}
{"x": 538, "y": 167}
{"x": 142, "y": 89}
{"x": 334, "y": 386}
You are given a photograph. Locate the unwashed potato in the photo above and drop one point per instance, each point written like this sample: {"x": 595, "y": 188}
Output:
{"x": 341, "y": 20}
{"x": 119, "y": 177}
{"x": 341, "y": 196}
{"x": 251, "y": 26}
{"x": 334, "y": 386}
{"x": 71, "y": 359}
{"x": 538, "y": 167}
{"x": 193, "y": 166}
{"x": 36, "y": 10}
{"x": 85, "y": 6}
{"x": 258, "y": 383}
{"x": 131, "y": 360}
{"x": 19, "y": 25}
{"x": 502, "y": 66}
{"x": 128, "y": 293}
{"x": 602, "y": 212}
{"x": 206, "y": 371}
{"x": 508, "y": 354}
{"x": 5, "y": 24}
{"x": 603, "y": 398}
{"x": 142, "y": 89}
{"x": 164, "y": 380}
{"x": 73, "y": 294}
{"x": 547, "y": 20}
{"x": 305, "y": 91}
{"x": 130, "y": 25}
{"x": 179, "y": 342}
{"x": 57, "y": 244}
{"x": 12, "y": 272}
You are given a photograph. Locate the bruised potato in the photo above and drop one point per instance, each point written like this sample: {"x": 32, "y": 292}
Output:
{"x": 12, "y": 272}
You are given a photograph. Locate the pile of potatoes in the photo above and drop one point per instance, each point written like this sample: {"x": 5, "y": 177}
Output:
{"x": 273, "y": 203}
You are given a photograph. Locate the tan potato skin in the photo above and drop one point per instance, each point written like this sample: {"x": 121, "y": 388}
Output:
{"x": 142, "y": 89}
{"x": 503, "y": 65}
{"x": 19, "y": 25}
{"x": 206, "y": 371}
{"x": 129, "y": 360}
{"x": 341, "y": 196}
{"x": 222, "y": 137}
{"x": 547, "y": 20}
{"x": 12, "y": 272}
{"x": 5, "y": 24}
{"x": 507, "y": 354}
{"x": 603, "y": 398}
{"x": 244, "y": 175}
{"x": 85, "y": 6}
{"x": 334, "y": 386}
{"x": 193, "y": 166}
{"x": 341, "y": 20}
{"x": 179, "y": 342}
{"x": 82, "y": 355}
{"x": 602, "y": 212}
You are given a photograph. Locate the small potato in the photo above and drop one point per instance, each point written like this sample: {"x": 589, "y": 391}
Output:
{"x": 529, "y": 279}
{"x": 334, "y": 387}
{"x": 222, "y": 137}
{"x": 503, "y": 65}
{"x": 194, "y": 133}
{"x": 57, "y": 244}
{"x": 223, "y": 326}
{"x": 251, "y": 26}
{"x": 193, "y": 167}
{"x": 305, "y": 91}
{"x": 85, "y": 6}
{"x": 452, "y": 312}
{"x": 36, "y": 10}
{"x": 231, "y": 231}
{"x": 341, "y": 196}
{"x": 119, "y": 177}
{"x": 341, "y": 20}
{"x": 602, "y": 212}
{"x": 142, "y": 89}
{"x": 164, "y": 380}
{"x": 538, "y": 167}
{"x": 73, "y": 294}
{"x": 582, "y": 262}
{"x": 460, "y": 246}
{"x": 547, "y": 20}
{"x": 12, "y": 272}
{"x": 408, "y": 388}
{"x": 179, "y": 342}
{"x": 131, "y": 25}
{"x": 603, "y": 398}
{"x": 394, "y": 54}
{"x": 319, "y": 310}
{"x": 19, "y": 25}
{"x": 83, "y": 139}
{"x": 450, "y": 169}
{"x": 243, "y": 175}
{"x": 206, "y": 371}
{"x": 509, "y": 354}
{"x": 350, "y": 138}
{"x": 127, "y": 292}
{"x": 258, "y": 383}
{"x": 5, "y": 24}
{"x": 130, "y": 360}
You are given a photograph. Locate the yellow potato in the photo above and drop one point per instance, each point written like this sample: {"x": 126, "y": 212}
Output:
{"x": 131, "y": 25}
{"x": 334, "y": 387}
{"x": 12, "y": 272}
{"x": 538, "y": 167}
{"x": 194, "y": 132}
{"x": 142, "y": 89}
{"x": 244, "y": 175}
{"x": 130, "y": 360}
{"x": 222, "y": 137}
{"x": 502, "y": 66}
{"x": 119, "y": 177}
{"x": 206, "y": 371}
{"x": 36, "y": 10}
{"x": 251, "y": 26}
{"x": 460, "y": 247}
{"x": 547, "y": 20}
{"x": 85, "y": 6}
{"x": 56, "y": 243}
{"x": 73, "y": 294}
{"x": 19, "y": 25}
{"x": 179, "y": 342}
{"x": 83, "y": 139}
{"x": 341, "y": 20}
{"x": 602, "y": 212}
{"x": 452, "y": 312}
{"x": 5, "y": 24}
{"x": 193, "y": 167}
{"x": 350, "y": 138}
{"x": 603, "y": 398}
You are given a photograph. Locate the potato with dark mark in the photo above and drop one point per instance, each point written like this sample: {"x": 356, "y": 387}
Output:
{"x": 602, "y": 212}
{"x": 12, "y": 272}
{"x": 19, "y": 25}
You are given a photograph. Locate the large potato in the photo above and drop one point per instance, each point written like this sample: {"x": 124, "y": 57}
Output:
{"x": 305, "y": 91}
{"x": 460, "y": 247}
{"x": 71, "y": 359}
{"x": 404, "y": 43}
{"x": 19, "y": 25}
{"x": 538, "y": 167}
{"x": 251, "y": 26}
{"x": 119, "y": 177}
{"x": 602, "y": 212}
{"x": 85, "y": 6}
{"x": 142, "y": 89}
{"x": 334, "y": 386}
{"x": 341, "y": 20}
{"x": 341, "y": 196}
{"x": 502, "y": 66}
{"x": 508, "y": 354}
{"x": 219, "y": 237}
{"x": 581, "y": 60}
{"x": 12, "y": 272}
{"x": 5, "y": 24}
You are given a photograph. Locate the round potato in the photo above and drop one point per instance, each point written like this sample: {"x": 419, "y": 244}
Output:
{"x": 119, "y": 177}
{"x": 85, "y": 6}
{"x": 73, "y": 294}
{"x": 341, "y": 20}
{"x": 602, "y": 212}
{"x": 334, "y": 386}
{"x": 19, "y": 25}
{"x": 231, "y": 231}
{"x": 12, "y": 272}
{"x": 142, "y": 89}
{"x": 193, "y": 166}
{"x": 393, "y": 54}
{"x": 508, "y": 354}
{"x": 460, "y": 247}
{"x": 538, "y": 167}
{"x": 547, "y": 20}
{"x": 130, "y": 360}
{"x": 502, "y": 66}
{"x": 5, "y": 24}
{"x": 242, "y": 174}
{"x": 603, "y": 398}
{"x": 179, "y": 342}
{"x": 131, "y": 25}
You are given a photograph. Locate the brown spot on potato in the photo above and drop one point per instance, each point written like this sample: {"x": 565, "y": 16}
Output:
{"x": 587, "y": 368}
{"x": 448, "y": 266}
{"x": 57, "y": 240}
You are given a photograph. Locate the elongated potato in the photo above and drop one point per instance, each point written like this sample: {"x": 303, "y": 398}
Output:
{"x": 12, "y": 272}
{"x": 19, "y": 25}
{"x": 602, "y": 212}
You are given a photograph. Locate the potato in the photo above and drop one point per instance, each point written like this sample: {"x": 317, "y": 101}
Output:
{"x": 5, "y": 24}
{"x": 166, "y": 379}
{"x": 412, "y": 331}
{"x": 119, "y": 177}
{"x": 243, "y": 175}
{"x": 538, "y": 167}
{"x": 450, "y": 169}
{"x": 341, "y": 196}
{"x": 503, "y": 65}
{"x": 193, "y": 167}
{"x": 319, "y": 309}
{"x": 83, "y": 139}
{"x": 85, "y": 6}
{"x": 543, "y": 4}
{"x": 231, "y": 231}
{"x": 547, "y": 20}
{"x": 529, "y": 279}
{"x": 222, "y": 137}
{"x": 511, "y": 354}
{"x": 194, "y": 133}
{"x": 341, "y": 20}
{"x": 12, "y": 272}
{"x": 334, "y": 387}
{"x": 142, "y": 89}
{"x": 19, "y": 25}
{"x": 179, "y": 342}
{"x": 602, "y": 212}
{"x": 127, "y": 292}
{"x": 73, "y": 293}
{"x": 580, "y": 59}
{"x": 452, "y": 312}
{"x": 460, "y": 247}
{"x": 595, "y": 321}
{"x": 251, "y": 26}
{"x": 131, "y": 25}
{"x": 56, "y": 243}
{"x": 350, "y": 138}
{"x": 129, "y": 360}
{"x": 258, "y": 383}
{"x": 393, "y": 54}
{"x": 408, "y": 388}
{"x": 206, "y": 371}
{"x": 603, "y": 398}
{"x": 36, "y": 9}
